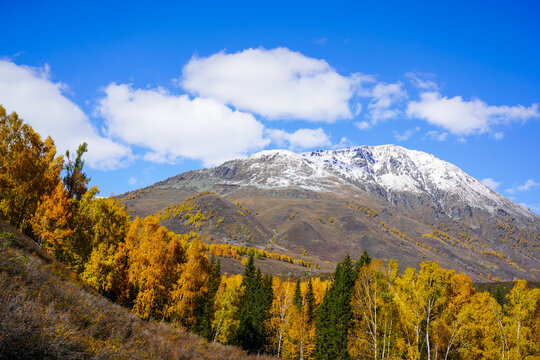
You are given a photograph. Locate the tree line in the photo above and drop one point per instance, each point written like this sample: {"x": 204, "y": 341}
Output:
{"x": 367, "y": 310}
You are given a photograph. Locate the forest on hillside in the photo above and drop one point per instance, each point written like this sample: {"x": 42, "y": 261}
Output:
{"x": 367, "y": 310}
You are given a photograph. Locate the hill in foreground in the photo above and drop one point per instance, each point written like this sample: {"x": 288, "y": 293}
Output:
{"x": 45, "y": 312}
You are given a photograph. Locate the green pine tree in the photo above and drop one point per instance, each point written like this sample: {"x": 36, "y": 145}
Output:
{"x": 298, "y": 295}
{"x": 365, "y": 259}
{"x": 205, "y": 313}
{"x": 254, "y": 309}
{"x": 75, "y": 181}
{"x": 335, "y": 315}
{"x": 498, "y": 295}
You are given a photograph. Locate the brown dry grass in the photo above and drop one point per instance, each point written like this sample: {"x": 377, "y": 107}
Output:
{"x": 45, "y": 313}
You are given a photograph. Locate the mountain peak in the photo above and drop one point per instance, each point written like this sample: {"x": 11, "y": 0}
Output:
{"x": 385, "y": 169}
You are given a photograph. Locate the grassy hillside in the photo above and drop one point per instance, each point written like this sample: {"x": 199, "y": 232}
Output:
{"x": 45, "y": 312}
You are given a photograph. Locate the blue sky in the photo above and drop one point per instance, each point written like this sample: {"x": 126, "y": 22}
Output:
{"x": 162, "y": 88}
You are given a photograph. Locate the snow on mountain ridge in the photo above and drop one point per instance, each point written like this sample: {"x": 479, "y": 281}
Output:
{"x": 394, "y": 168}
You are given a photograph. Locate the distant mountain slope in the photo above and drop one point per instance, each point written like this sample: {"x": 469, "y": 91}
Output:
{"x": 397, "y": 203}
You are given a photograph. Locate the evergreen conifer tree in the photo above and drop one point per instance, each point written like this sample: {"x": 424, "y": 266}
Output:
{"x": 298, "y": 296}
{"x": 335, "y": 315}
{"x": 205, "y": 313}
{"x": 498, "y": 295}
{"x": 75, "y": 180}
{"x": 254, "y": 309}
{"x": 365, "y": 259}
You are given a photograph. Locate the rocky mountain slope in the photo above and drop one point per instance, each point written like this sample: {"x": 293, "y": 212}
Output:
{"x": 396, "y": 203}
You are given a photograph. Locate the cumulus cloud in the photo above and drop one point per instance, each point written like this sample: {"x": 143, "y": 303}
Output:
{"x": 406, "y": 135}
{"x": 466, "y": 117}
{"x": 384, "y": 97}
{"x": 490, "y": 183}
{"x": 277, "y": 84}
{"x": 498, "y": 135}
{"x": 41, "y": 102}
{"x": 300, "y": 139}
{"x": 175, "y": 126}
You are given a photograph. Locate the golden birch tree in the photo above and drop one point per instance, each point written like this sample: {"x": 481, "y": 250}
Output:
{"x": 191, "y": 287}
{"x": 226, "y": 319}
{"x": 155, "y": 260}
{"x": 29, "y": 170}
{"x": 281, "y": 313}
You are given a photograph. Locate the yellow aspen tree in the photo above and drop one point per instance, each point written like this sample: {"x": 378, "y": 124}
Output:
{"x": 481, "y": 336}
{"x": 50, "y": 224}
{"x": 191, "y": 287}
{"x": 100, "y": 223}
{"x": 372, "y": 307}
{"x": 281, "y": 313}
{"x": 155, "y": 259}
{"x": 319, "y": 288}
{"x": 226, "y": 319}
{"x": 433, "y": 280}
{"x": 447, "y": 334}
{"x": 29, "y": 167}
{"x": 122, "y": 291}
{"x": 409, "y": 301}
{"x": 419, "y": 297}
{"x": 100, "y": 270}
{"x": 523, "y": 306}
{"x": 108, "y": 223}
{"x": 299, "y": 342}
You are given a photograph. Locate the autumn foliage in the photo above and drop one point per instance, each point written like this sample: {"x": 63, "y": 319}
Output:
{"x": 366, "y": 311}
{"x": 29, "y": 167}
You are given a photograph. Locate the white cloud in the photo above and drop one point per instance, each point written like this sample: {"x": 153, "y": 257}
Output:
{"x": 362, "y": 125}
{"x": 529, "y": 184}
{"x": 435, "y": 135}
{"x": 406, "y": 135}
{"x": 384, "y": 97}
{"x": 300, "y": 139}
{"x": 343, "y": 143}
{"x": 498, "y": 135}
{"x": 421, "y": 80}
{"x": 172, "y": 126}
{"x": 41, "y": 103}
{"x": 490, "y": 183}
{"x": 277, "y": 84}
{"x": 466, "y": 117}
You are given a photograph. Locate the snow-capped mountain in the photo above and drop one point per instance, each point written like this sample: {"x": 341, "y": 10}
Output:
{"x": 389, "y": 170}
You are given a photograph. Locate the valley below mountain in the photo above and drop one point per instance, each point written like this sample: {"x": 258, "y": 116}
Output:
{"x": 316, "y": 207}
